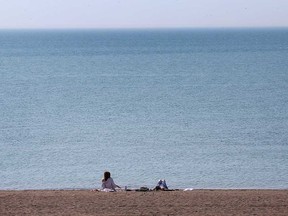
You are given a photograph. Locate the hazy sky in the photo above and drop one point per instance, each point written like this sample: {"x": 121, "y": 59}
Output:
{"x": 142, "y": 13}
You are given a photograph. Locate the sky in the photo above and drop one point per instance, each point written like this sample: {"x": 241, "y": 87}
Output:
{"x": 142, "y": 13}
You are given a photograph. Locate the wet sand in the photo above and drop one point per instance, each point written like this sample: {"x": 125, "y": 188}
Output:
{"x": 195, "y": 202}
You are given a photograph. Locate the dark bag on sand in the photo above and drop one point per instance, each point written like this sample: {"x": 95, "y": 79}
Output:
{"x": 143, "y": 189}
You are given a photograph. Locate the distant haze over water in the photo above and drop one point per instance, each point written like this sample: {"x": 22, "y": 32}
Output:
{"x": 205, "y": 108}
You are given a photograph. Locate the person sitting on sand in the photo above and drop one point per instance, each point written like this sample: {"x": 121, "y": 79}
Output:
{"x": 161, "y": 185}
{"x": 108, "y": 183}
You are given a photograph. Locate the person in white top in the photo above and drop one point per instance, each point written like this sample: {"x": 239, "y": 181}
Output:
{"x": 108, "y": 183}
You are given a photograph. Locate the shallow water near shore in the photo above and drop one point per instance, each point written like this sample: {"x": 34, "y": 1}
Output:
{"x": 200, "y": 108}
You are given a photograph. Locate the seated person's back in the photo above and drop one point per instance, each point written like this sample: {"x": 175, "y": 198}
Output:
{"x": 108, "y": 182}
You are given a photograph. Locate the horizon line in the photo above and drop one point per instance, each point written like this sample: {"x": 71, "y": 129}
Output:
{"x": 143, "y": 28}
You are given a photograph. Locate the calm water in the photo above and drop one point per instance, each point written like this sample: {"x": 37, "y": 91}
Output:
{"x": 200, "y": 108}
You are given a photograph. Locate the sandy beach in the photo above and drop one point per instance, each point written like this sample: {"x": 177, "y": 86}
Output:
{"x": 195, "y": 202}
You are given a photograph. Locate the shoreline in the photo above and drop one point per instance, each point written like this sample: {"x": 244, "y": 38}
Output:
{"x": 135, "y": 188}
{"x": 150, "y": 189}
{"x": 194, "y": 202}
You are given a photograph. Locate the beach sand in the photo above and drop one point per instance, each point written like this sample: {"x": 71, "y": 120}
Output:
{"x": 195, "y": 202}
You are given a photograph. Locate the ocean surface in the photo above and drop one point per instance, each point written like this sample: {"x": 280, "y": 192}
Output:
{"x": 201, "y": 108}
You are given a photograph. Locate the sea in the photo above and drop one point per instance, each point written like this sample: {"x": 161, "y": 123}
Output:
{"x": 200, "y": 108}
